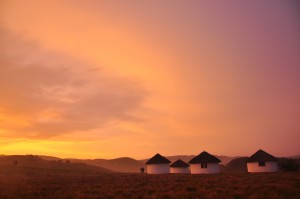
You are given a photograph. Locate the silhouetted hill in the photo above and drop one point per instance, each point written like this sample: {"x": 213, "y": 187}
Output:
{"x": 225, "y": 159}
{"x": 293, "y": 157}
{"x": 124, "y": 164}
{"x": 237, "y": 165}
{"x": 35, "y": 164}
{"x": 45, "y": 157}
{"x": 127, "y": 164}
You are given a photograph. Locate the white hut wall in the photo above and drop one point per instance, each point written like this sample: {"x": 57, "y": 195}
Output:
{"x": 179, "y": 170}
{"x": 158, "y": 168}
{"x": 254, "y": 167}
{"x": 211, "y": 168}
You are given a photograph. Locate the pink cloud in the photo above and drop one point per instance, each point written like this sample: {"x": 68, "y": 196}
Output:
{"x": 57, "y": 94}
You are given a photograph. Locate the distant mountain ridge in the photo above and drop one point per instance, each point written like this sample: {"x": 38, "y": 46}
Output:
{"x": 293, "y": 157}
{"x": 236, "y": 165}
{"x": 122, "y": 164}
{"x": 127, "y": 164}
{"x": 36, "y": 164}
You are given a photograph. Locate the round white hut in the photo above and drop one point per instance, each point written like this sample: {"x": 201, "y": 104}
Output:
{"x": 179, "y": 166}
{"x": 262, "y": 161}
{"x": 158, "y": 165}
{"x": 204, "y": 163}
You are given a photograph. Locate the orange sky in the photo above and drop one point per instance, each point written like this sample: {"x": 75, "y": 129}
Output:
{"x": 105, "y": 79}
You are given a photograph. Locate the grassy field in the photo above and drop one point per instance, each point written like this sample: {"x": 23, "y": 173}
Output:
{"x": 242, "y": 185}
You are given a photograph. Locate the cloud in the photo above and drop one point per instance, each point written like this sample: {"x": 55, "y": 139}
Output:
{"x": 44, "y": 94}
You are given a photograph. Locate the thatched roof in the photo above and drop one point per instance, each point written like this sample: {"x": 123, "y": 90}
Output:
{"x": 158, "y": 159}
{"x": 261, "y": 156}
{"x": 204, "y": 157}
{"x": 179, "y": 163}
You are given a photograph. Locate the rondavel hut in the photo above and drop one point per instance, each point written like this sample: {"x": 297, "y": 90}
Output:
{"x": 204, "y": 163}
{"x": 158, "y": 165}
{"x": 179, "y": 166}
{"x": 262, "y": 161}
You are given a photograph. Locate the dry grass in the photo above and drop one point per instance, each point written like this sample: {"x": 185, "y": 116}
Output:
{"x": 266, "y": 185}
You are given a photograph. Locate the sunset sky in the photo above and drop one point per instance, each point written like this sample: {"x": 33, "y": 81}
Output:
{"x": 107, "y": 79}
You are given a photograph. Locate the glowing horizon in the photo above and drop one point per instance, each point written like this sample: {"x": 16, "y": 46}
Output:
{"x": 108, "y": 79}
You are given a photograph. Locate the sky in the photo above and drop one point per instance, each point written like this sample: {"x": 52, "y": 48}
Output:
{"x": 113, "y": 78}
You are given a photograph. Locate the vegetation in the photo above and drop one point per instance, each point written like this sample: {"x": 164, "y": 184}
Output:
{"x": 117, "y": 185}
{"x": 286, "y": 164}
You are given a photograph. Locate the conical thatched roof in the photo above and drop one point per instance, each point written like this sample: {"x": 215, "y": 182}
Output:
{"x": 261, "y": 156}
{"x": 158, "y": 159}
{"x": 179, "y": 163}
{"x": 204, "y": 157}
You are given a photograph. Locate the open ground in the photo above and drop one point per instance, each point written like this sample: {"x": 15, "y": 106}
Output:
{"x": 117, "y": 185}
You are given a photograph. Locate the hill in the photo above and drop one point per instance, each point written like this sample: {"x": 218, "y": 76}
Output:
{"x": 35, "y": 164}
{"x": 237, "y": 165}
{"x": 124, "y": 164}
{"x": 127, "y": 164}
{"x": 293, "y": 157}
{"x": 50, "y": 158}
{"x": 130, "y": 165}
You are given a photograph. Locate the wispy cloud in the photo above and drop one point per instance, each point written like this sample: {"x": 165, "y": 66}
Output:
{"x": 44, "y": 94}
